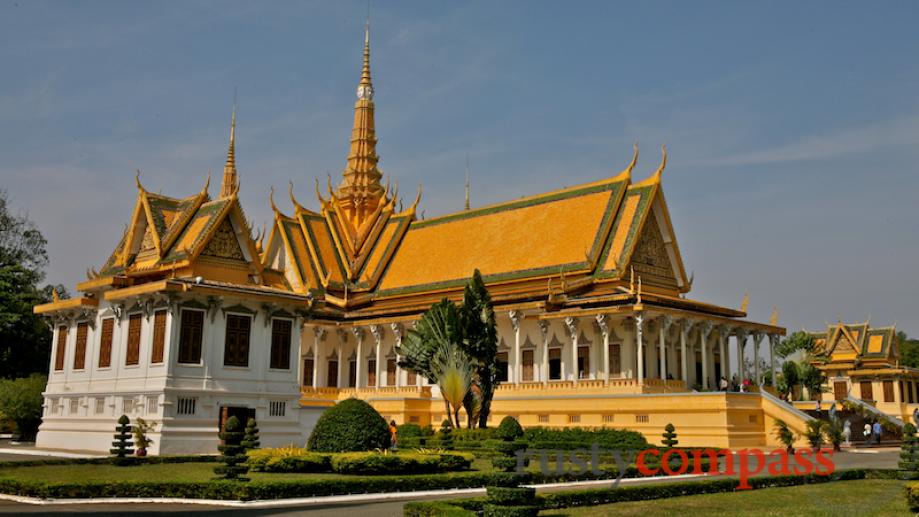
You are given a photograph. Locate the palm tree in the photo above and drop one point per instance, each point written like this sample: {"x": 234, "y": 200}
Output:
{"x": 453, "y": 371}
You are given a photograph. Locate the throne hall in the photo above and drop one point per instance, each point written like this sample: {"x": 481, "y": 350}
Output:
{"x": 194, "y": 318}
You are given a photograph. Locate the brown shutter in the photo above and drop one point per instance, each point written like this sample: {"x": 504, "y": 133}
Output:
{"x": 280, "y": 344}
{"x": 79, "y": 354}
{"x": 412, "y": 378}
{"x": 372, "y": 372}
{"x": 236, "y": 346}
{"x": 332, "y": 374}
{"x": 865, "y": 388}
{"x": 159, "y": 336}
{"x": 308, "y": 372}
{"x": 888, "y": 391}
{"x": 61, "y": 348}
{"x": 105, "y": 342}
{"x": 190, "y": 335}
{"x": 133, "y": 352}
{"x": 527, "y": 366}
{"x": 390, "y": 372}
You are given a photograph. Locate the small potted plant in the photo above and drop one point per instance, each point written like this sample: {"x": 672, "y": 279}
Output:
{"x": 141, "y": 440}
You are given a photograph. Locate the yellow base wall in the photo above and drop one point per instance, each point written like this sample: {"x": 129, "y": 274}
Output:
{"x": 715, "y": 419}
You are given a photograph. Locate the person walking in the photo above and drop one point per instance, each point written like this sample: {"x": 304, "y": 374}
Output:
{"x": 393, "y": 435}
{"x": 877, "y": 432}
{"x": 867, "y": 433}
{"x": 723, "y": 384}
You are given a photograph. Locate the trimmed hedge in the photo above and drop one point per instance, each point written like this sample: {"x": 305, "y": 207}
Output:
{"x": 580, "y": 438}
{"x": 350, "y": 425}
{"x": 911, "y": 491}
{"x": 374, "y": 463}
{"x": 593, "y": 497}
{"x": 275, "y": 460}
{"x": 153, "y": 460}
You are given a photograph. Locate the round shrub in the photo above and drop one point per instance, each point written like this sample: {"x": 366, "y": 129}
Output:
{"x": 350, "y": 425}
{"x": 510, "y": 496}
{"x": 509, "y": 429}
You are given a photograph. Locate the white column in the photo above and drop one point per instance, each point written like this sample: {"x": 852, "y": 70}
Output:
{"x": 741, "y": 337}
{"x": 639, "y": 340}
{"x": 603, "y": 323}
{"x": 515, "y": 317}
{"x": 704, "y": 329}
{"x": 725, "y": 365}
{"x": 318, "y": 334}
{"x": 772, "y": 340}
{"x": 359, "y": 357}
{"x": 757, "y": 338}
{"x": 377, "y": 332}
{"x": 544, "y": 367}
{"x": 685, "y": 325}
{"x": 397, "y": 342}
{"x": 663, "y": 324}
{"x": 572, "y": 324}
{"x": 339, "y": 382}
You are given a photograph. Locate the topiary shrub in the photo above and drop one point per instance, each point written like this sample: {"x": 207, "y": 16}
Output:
{"x": 509, "y": 429}
{"x": 446, "y": 435}
{"x": 350, "y": 425}
{"x": 510, "y": 502}
{"x": 670, "y": 436}
{"x": 234, "y": 454}
{"x": 122, "y": 447}
{"x": 251, "y": 440}
{"x": 909, "y": 454}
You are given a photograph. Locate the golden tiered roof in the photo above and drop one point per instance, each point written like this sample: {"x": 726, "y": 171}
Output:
{"x": 847, "y": 346}
{"x": 358, "y": 257}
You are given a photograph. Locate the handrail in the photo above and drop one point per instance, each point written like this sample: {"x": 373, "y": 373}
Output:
{"x": 790, "y": 407}
{"x": 876, "y": 411}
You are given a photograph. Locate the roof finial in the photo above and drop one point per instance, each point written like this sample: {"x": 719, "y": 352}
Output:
{"x": 230, "y": 183}
{"x": 467, "y": 181}
{"x": 746, "y": 302}
{"x": 365, "y": 87}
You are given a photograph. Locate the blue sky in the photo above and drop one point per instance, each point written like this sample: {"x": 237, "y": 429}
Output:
{"x": 792, "y": 127}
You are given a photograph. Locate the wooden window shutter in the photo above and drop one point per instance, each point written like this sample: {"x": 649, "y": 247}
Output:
{"x": 79, "y": 352}
{"x": 105, "y": 342}
{"x": 159, "y": 336}
{"x": 61, "y": 348}
{"x": 133, "y": 353}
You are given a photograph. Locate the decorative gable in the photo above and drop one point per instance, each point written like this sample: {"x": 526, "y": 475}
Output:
{"x": 224, "y": 243}
{"x": 651, "y": 259}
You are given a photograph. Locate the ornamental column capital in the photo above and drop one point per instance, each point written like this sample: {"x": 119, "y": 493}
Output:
{"x": 603, "y": 323}
{"x": 516, "y": 317}
{"x": 377, "y": 331}
{"x": 397, "y": 329}
{"x": 572, "y": 323}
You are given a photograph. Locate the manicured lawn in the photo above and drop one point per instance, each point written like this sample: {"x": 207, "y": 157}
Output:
{"x": 862, "y": 498}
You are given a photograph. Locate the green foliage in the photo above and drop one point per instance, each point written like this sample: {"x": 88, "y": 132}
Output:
{"x": 481, "y": 341}
{"x": 377, "y": 463}
{"x": 784, "y": 434}
{"x": 251, "y": 440}
{"x": 799, "y": 340}
{"x": 812, "y": 379}
{"x": 140, "y": 429}
{"x": 909, "y": 350}
{"x": 122, "y": 447}
{"x": 791, "y": 377}
{"x": 409, "y": 431}
{"x": 509, "y": 429}
{"x": 909, "y": 453}
{"x": 25, "y": 340}
{"x": 813, "y": 432}
{"x": 833, "y": 432}
{"x": 911, "y": 492}
{"x": 234, "y": 454}
{"x": 472, "y": 329}
{"x": 439, "y": 324}
{"x": 570, "y": 438}
{"x": 453, "y": 370}
{"x": 350, "y": 425}
{"x": 669, "y": 436}
{"x": 21, "y": 401}
{"x": 446, "y": 435}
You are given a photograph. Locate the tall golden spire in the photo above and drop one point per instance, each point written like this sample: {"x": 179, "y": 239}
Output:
{"x": 230, "y": 183}
{"x": 360, "y": 191}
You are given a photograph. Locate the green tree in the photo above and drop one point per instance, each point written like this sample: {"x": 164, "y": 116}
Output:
{"x": 812, "y": 379}
{"x": 439, "y": 324}
{"x": 669, "y": 436}
{"x": 909, "y": 350}
{"x": 233, "y": 454}
{"x": 453, "y": 371}
{"x": 21, "y": 402}
{"x": 791, "y": 377}
{"x": 785, "y": 435}
{"x": 909, "y": 454}
{"x": 251, "y": 440}
{"x": 481, "y": 343}
{"x": 122, "y": 447}
{"x": 799, "y": 340}
{"x": 25, "y": 340}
